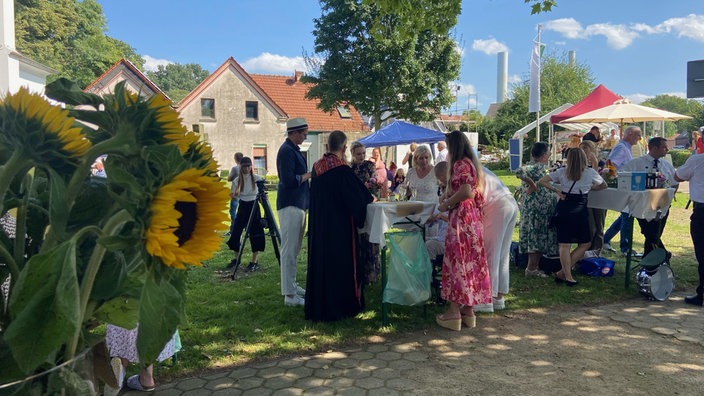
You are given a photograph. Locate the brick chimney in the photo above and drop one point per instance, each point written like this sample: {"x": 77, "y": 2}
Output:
{"x": 297, "y": 75}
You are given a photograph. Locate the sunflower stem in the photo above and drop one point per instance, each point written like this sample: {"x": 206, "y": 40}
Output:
{"x": 112, "y": 227}
{"x": 8, "y": 172}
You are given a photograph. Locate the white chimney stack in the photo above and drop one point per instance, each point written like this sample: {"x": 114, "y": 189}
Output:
{"x": 572, "y": 57}
{"x": 502, "y": 77}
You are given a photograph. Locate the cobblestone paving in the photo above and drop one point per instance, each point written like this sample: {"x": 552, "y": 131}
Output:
{"x": 390, "y": 369}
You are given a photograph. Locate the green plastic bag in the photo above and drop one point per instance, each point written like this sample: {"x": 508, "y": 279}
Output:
{"x": 409, "y": 269}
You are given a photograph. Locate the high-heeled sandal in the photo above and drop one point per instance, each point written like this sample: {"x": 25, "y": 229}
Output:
{"x": 451, "y": 324}
{"x": 469, "y": 321}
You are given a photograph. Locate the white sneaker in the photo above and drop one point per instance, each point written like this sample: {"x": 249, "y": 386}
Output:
{"x": 608, "y": 247}
{"x": 498, "y": 303}
{"x": 489, "y": 308}
{"x": 300, "y": 291}
{"x": 294, "y": 301}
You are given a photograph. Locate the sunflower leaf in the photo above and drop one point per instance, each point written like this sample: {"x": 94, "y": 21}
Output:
{"x": 123, "y": 312}
{"x": 67, "y": 91}
{"x": 162, "y": 304}
{"x": 58, "y": 213}
{"x": 44, "y": 306}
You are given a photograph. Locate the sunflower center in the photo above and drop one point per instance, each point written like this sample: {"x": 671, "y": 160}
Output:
{"x": 187, "y": 222}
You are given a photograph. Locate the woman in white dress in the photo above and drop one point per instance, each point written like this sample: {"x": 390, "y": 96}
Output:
{"x": 421, "y": 183}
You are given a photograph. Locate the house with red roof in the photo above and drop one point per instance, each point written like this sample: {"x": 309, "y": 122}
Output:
{"x": 240, "y": 112}
{"x": 135, "y": 81}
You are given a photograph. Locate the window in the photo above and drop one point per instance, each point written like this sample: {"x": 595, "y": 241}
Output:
{"x": 259, "y": 159}
{"x": 207, "y": 108}
{"x": 344, "y": 112}
{"x": 252, "y": 110}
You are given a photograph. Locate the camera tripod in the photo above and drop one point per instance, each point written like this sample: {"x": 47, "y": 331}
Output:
{"x": 268, "y": 222}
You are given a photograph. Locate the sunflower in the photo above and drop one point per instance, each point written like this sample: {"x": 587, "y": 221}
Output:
{"x": 185, "y": 215}
{"x": 33, "y": 113}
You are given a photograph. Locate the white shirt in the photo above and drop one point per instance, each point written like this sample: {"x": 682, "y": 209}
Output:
{"x": 646, "y": 163}
{"x": 249, "y": 191}
{"x": 426, "y": 188}
{"x": 581, "y": 186}
{"x": 693, "y": 170}
{"x": 442, "y": 156}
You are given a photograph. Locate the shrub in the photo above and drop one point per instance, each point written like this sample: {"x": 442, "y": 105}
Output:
{"x": 679, "y": 157}
{"x": 500, "y": 165}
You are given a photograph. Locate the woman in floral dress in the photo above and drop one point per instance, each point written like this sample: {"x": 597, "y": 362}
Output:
{"x": 538, "y": 204}
{"x": 367, "y": 252}
{"x": 465, "y": 273}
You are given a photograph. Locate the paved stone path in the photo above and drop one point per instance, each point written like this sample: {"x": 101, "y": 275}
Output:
{"x": 631, "y": 347}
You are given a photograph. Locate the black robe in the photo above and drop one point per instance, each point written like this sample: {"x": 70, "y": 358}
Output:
{"x": 338, "y": 206}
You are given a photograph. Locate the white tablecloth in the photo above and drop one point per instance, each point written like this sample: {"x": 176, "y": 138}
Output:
{"x": 639, "y": 204}
{"x": 382, "y": 215}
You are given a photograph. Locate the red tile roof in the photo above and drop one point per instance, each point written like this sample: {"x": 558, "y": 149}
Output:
{"x": 289, "y": 93}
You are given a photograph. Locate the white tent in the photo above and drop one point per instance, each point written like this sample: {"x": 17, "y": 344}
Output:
{"x": 579, "y": 127}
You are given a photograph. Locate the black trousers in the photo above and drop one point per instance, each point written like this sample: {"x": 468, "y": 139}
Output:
{"x": 256, "y": 232}
{"x": 696, "y": 229}
{"x": 652, "y": 231}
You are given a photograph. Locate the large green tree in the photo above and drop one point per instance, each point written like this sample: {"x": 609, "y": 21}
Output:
{"x": 675, "y": 104}
{"x": 419, "y": 15}
{"x": 391, "y": 75}
{"x": 69, "y": 36}
{"x": 177, "y": 80}
{"x": 560, "y": 83}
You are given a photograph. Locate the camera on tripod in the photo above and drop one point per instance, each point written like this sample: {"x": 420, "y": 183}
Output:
{"x": 261, "y": 187}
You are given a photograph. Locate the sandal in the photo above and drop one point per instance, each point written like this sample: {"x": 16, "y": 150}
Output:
{"x": 536, "y": 272}
{"x": 450, "y": 323}
{"x": 134, "y": 383}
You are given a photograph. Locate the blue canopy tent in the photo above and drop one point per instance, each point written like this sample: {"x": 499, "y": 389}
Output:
{"x": 399, "y": 132}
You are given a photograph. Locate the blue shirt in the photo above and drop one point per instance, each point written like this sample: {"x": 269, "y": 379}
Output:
{"x": 621, "y": 154}
{"x": 291, "y": 165}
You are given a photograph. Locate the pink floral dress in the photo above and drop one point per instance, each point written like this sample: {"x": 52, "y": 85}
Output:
{"x": 465, "y": 273}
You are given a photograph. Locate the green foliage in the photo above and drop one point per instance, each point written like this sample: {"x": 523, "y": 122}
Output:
{"x": 679, "y": 157}
{"x": 560, "y": 83}
{"x": 503, "y": 165}
{"x": 415, "y": 16}
{"x": 406, "y": 76}
{"x": 68, "y": 35}
{"x": 675, "y": 104}
{"x": 178, "y": 80}
{"x": 538, "y": 6}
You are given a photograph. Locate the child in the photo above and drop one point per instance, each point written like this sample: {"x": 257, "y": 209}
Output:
{"x": 244, "y": 187}
{"x": 399, "y": 178}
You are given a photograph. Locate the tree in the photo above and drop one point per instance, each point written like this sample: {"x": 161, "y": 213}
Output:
{"x": 178, "y": 80}
{"x": 560, "y": 83}
{"x": 675, "y": 104}
{"x": 69, "y": 36}
{"x": 419, "y": 15}
{"x": 394, "y": 75}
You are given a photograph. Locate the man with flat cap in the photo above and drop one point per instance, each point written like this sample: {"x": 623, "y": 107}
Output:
{"x": 291, "y": 205}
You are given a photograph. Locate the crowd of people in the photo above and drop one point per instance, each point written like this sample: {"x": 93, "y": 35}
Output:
{"x": 554, "y": 217}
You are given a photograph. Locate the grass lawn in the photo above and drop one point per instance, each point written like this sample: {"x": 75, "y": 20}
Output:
{"x": 234, "y": 322}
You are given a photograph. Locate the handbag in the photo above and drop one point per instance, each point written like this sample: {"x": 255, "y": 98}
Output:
{"x": 556, "y": 213}
{"x": 597, "y": 266}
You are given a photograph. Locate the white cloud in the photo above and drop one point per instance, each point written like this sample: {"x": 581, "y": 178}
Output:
{"x": 638, "y": 97}
{"x": 622, "y": 36}
{"x": 568, "y": 27}
{"x": 459, "y": 49}
{"x": 151, "y": 64}
{"x": 617, "y": 36}
{"x": 490, "y": 46}
{"x": 691, "y": 26}
{"x": 514, "y": 79}
{"x": 272, "y": 63}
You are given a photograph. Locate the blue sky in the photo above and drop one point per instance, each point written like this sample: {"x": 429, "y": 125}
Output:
{"x": 636, "y": 48}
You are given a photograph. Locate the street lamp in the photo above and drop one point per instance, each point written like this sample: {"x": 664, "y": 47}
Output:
{"x": 457, "y": 95}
